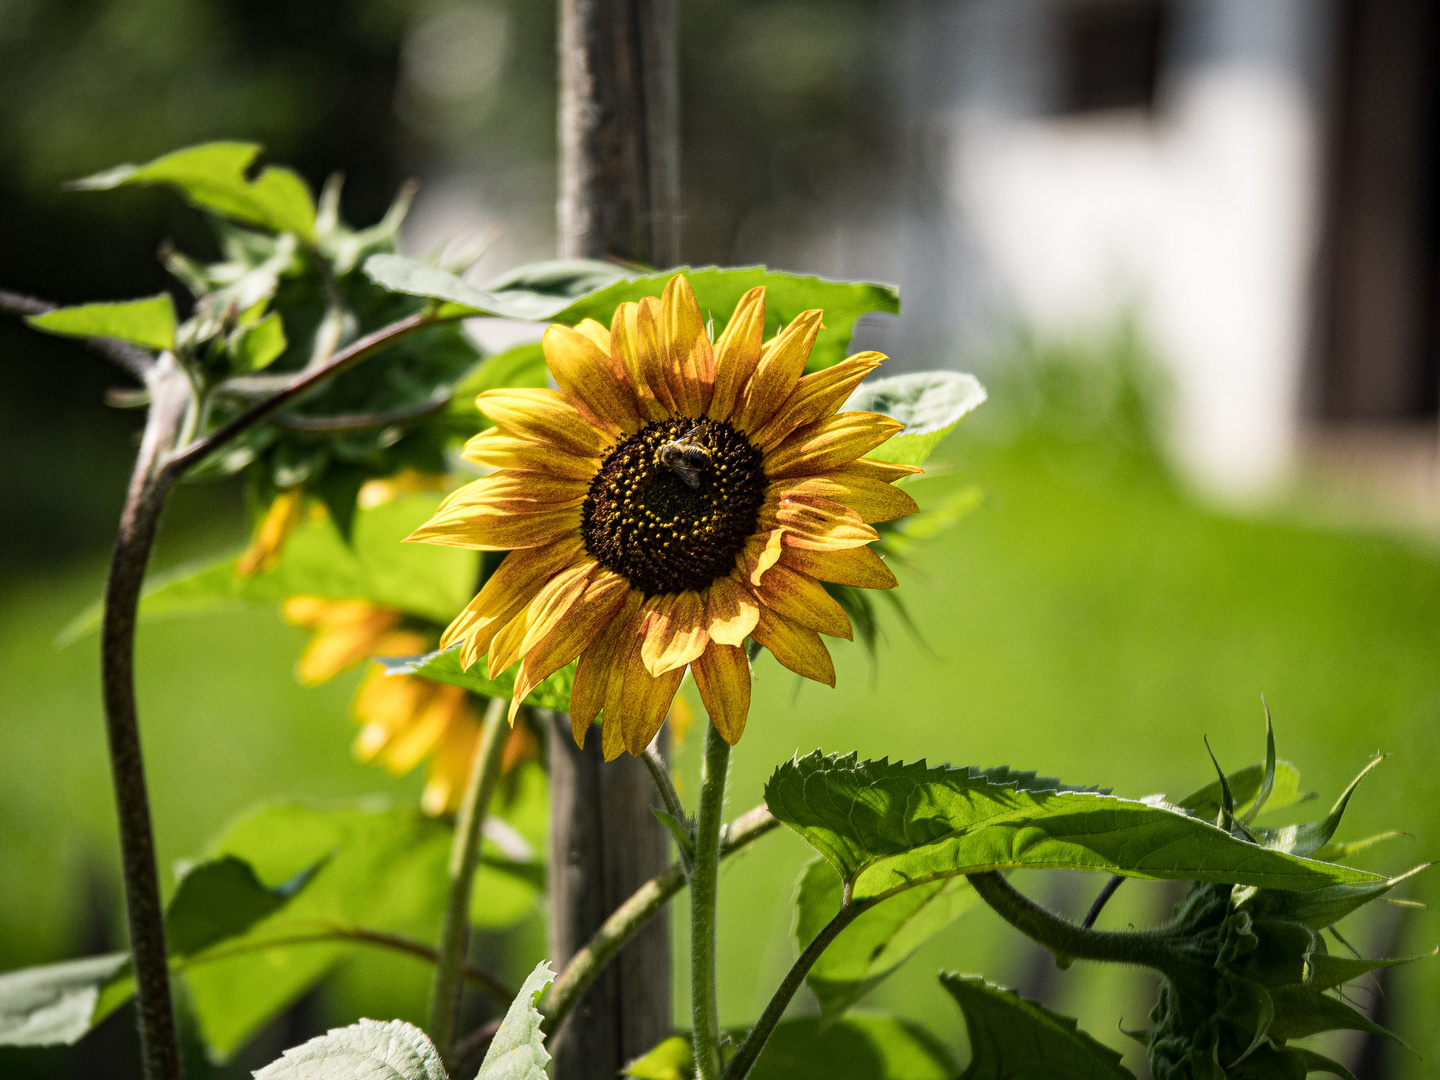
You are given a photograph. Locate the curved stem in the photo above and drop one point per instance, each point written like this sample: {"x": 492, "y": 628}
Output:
{"x": 745, "y": 1057}
{"x": 630, "y": 917}
{"x": 1098, "y": 906}
{"x": 464, "y": 860}
{"x": 1152, "y": 948}
{"x": 149, "y": 486}
{"x": 704, "y": 889}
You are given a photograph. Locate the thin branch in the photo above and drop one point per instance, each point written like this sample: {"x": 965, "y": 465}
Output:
{"x": 660, "y": 773}
{"x": 133, "y": 359}
{"x": 745, "y": 1057}
{"x": 628, "y": 919}
{"x": 351, "y": 354}
{"x": 339, "y": 425}
{"x": 1100, "y": 901}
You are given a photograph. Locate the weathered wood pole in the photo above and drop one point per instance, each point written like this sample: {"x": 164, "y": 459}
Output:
{"x": 619, "y": 188}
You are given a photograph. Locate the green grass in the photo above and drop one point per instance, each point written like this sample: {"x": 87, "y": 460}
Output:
{"x": 1087, "y": 621}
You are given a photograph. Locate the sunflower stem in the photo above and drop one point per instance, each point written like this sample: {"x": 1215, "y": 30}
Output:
{"x": 149, "y": 485}
{"x": 704, "y": 887}
{"x": 464, "y": 860}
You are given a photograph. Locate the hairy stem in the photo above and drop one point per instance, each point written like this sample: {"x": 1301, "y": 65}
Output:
{"x": 704, "y": 889}
{"x": 464, "y": 860}
{"x": 628, "y": 919}
{"x": 149, "y": 485}
{"x": 1152, "y": 948}
{"x": 745, "y": 1057}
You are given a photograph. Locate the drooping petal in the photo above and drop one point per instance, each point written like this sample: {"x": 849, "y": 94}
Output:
{"x": 543, "y": 415}
{"x": 779, "y": 370}
{"x": 826, "y": 444}
{"x": 595, "y": 671}
{"x": 646, "y": 701}
{"x": 872, "y": 500}
{"x": 817, "y": 396}
{"x": 690, "y": 358}
{"x": 797, "y": 647}
{"x": 857, "y": 566}
{"x": 722, "y": 675}
{"x": 517, "y": 579}
{"x": 581, "y": 626}
{"x": 801, "y": 599}
{"x": 886, "y": 471}
{"x": 494, "y": 449}
{"x": 731, "y": 611}
{"x": 677, "y": 634}
{"x": 625, "y": 658}
{"x": 551, "y": 603}
{"x": 737, "y": 353}
{"x": 591, "y": 378}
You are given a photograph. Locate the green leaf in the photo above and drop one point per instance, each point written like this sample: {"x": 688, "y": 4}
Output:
{"x": 444, "y": 666}
{"x": 856, "y": 1048}
{"x": 368, "y": 1050}
{"x": 526, "y": 294}
{"x": 1327, "y": 972}
{"x": 222, "y": 899}
{"x": 55, "y": 1003}
{"x": 1015, "y": 1039}
{"x": 260, "y": 345}
{"x": 212, "y": 176}
{"x": 670, "y": 1059}
{"x": 149, "y": 322}
{"x": 430, "y": 582}
{"x": 890, "y": 826}
{"x": 518, "y": 1050}
{"x": 876, "y": 943}
{"x": 928, "y": 403}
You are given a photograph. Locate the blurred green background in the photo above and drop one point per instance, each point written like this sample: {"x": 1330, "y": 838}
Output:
{"x": 1090, "y": 619}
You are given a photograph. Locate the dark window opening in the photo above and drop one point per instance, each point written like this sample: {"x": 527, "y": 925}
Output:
{"x": 1110, "y": 54}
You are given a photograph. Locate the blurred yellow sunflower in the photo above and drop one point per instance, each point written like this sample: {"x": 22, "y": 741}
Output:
{"x": 403, "y": 718}
{"x": 669, "y": 500}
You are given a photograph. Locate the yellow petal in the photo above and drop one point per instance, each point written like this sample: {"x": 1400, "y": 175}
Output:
{"x": 581, "y": 625}
{"x": 761, "y": 551}
{"x": 483, "y": 529}
{"x": 554, "y": 599}
{"x": 822, "y": 526}
{"x": 596, "y": 332}
{"x": 263, "y": 554}
{"x": 589, "y": 375}
{"x": 816, "y": 397}
{"x": 722, "y": 675}
{"x": 802, "y": 599}
{"x": 646, "y": 701}
{"x": 731, "y": 611}
{"x": 520, "y": 575}
{"x": 676, "y": 635}
{"x": 872, "y": 500}
{"x": 494, "y": 449}
{"x": 737, "y": 352}
{"x": 543, "y": 415}
{"x": 635, "y": 346}
{"x": 778, "y": 372}
{"x": 517, "y": 492}
{"x": 858, "y": 566}
{"x": 797, "y": 647}
{"x": 828, "y": 443}
{"x": 595, "y": 671}
{"x": 690, "y": 359}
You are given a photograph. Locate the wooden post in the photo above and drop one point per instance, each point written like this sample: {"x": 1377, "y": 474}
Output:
{"x": 619, "y": 189}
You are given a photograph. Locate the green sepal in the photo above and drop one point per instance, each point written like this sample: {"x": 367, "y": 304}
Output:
{"x": 1303, "y": 1010}
{"x": 1015, "y": 1039}
{"x": 1319, "y": 1063}
{"x": 1327, "y": 970}
{"x": 149, "y": 322}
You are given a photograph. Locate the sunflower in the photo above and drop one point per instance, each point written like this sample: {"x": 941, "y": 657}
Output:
{"x": 403, "y": 718}
{"x": 669, "y": 500}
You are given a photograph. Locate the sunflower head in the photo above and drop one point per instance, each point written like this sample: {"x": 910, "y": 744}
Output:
{"x": 672, "y": 498}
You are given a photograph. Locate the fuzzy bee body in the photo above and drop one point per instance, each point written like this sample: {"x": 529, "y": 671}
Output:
{"x": 686, "y": 457}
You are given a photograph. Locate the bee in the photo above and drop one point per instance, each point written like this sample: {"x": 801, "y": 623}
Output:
{"x": 686, "y": 456}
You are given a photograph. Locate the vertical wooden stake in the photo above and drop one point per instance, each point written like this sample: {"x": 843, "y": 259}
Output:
{"x": 619, "y": 190}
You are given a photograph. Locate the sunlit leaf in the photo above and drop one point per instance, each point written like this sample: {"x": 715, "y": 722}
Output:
{"x": 928, "y": 403}
{"x": 257, "y": 347}
{"x": 212, "y": 176}
{"x": 444, "y": 666}
{"x": 149, "y": 322}
{"x": 518, "y": 1050}
{"x": 368, "y": 1050}
{"x": 875, "y": 944}
{"x": 1015, "y": 1039}
{"x": 55, "y": 1003}
{"x": 887, "y": 826}
{"x": 534, "y": 293}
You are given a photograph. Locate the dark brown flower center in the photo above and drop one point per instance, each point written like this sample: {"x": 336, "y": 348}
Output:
{"x": 673, "y": 504}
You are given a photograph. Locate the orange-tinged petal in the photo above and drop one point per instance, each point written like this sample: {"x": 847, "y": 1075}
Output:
{"x": 595, "y": 671}
{"x": 483, "y": 529}
{"x": 410, "y": 746}
{"x": 731, "y": 611}
{"x": 517, "y": 493}
{"x": 520, "y": 575}
{"x": 690, "y": 360}
{"x": 797, "y": 647}
{"x": 737, "y": 353}
{"x": 722, "y": 675}
{"x": 646, "y": 701}
{"x": 263, "y": 554}
{"x": 761, "y": 551}
{"x": 543, "y": 415}
{"x": 778, "y": 372}
{"x": 592, "y": 380}
{"x": 858, "y": 566}
{"x": 635, "y": 345}
{"x": 554, "y": 599}
{"x": 826, "y": 444}
{"x": 817, "y": 396}
{"x": 801, "y": 599}
{"x": 625, "y": 656}
{"x": 677, "y": 634}
{"x": 494, "y": 449}
{"x": 822, "y": 526}
{"x": 582, "y": 624}
{"x": 872, "y": 500}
